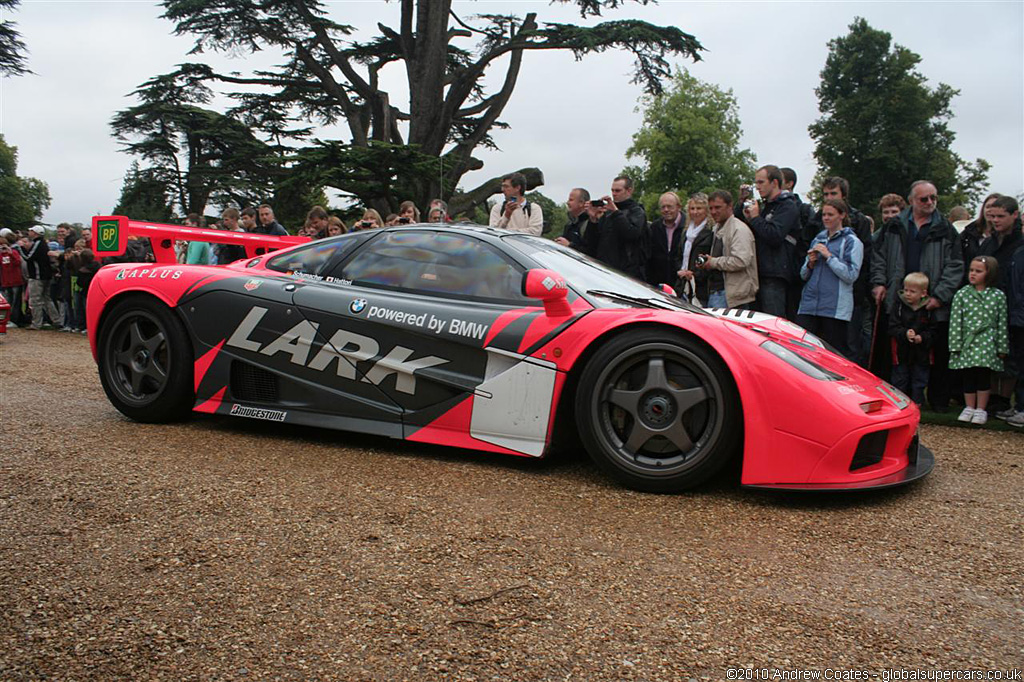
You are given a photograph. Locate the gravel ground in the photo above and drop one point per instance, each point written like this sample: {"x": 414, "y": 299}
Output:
{"x": 234, "y": 550}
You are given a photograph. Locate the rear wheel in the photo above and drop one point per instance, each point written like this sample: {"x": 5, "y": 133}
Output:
{"x": 658, "y": 411}
{"x": 145, "y": 361}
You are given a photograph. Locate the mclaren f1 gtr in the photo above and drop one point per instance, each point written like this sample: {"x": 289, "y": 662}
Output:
{"x": 490, "y": 340}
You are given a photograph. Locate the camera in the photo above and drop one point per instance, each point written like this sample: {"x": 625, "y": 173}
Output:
{"x": 404, "y": 221}
{"x": 597, "y": 203}
{"x": 363, "y": 224}
{"x": 702, "y": 259}
{"x": 754, "y": 196}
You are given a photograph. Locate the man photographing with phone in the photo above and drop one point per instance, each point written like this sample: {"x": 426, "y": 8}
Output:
{"x": 515, "y": 212}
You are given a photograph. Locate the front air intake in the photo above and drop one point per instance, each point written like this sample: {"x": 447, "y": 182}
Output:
{"x": 869, "y": 450}
{"x": 253, "y": 384}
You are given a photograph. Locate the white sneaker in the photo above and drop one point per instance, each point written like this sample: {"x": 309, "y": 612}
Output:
{"x": 1016, "y": 420}
{"x": 980, "y": 417}
{"x": 967, "y": 415}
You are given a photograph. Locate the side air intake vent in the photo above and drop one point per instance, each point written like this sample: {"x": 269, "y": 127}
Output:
{"x": 253, "y": 384}
{"x": 869, "y": 450}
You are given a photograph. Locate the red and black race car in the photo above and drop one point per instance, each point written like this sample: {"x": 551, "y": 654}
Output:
{"x": 491, "y": 340}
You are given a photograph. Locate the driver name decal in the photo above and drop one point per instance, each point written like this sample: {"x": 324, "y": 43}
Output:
{"x": 345, "y": 347}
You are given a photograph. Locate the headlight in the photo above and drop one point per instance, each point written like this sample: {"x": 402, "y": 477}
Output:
{"x": 811, "y": 369}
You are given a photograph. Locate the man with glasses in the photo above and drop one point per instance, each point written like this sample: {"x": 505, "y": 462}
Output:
{"x": 920, "y": 239}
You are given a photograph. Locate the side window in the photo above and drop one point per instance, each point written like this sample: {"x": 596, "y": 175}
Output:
{"x": 436, "y": 262}
{"x": 310, "y": 259}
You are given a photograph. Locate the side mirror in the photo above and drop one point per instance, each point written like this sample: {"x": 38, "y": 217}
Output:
{"x": 549, "y": 287}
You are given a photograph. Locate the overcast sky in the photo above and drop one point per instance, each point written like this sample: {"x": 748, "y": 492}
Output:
{"x": 574, "y": 120}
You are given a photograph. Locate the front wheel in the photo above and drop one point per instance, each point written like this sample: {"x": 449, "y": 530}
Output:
{"x": 145, "y": 361}
{"x": 658, "y": 411}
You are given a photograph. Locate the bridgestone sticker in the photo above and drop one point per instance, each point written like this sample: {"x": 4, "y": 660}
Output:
{"x": 258, "y": 413}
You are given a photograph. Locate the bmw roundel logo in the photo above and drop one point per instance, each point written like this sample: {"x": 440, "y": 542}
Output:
{"x": 357, "y": 305}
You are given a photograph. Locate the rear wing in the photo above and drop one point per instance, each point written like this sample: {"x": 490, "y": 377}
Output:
{"x": 110, "y": 238}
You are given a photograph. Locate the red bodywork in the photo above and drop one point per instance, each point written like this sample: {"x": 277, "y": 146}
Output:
{"x": 800, "y": 432}
{"x": 5, "y": 314}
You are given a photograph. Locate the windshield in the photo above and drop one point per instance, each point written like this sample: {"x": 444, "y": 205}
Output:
{"x": 587, "y": 275}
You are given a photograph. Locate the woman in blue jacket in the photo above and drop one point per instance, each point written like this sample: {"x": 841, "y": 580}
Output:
{"x": 831, "y": 267}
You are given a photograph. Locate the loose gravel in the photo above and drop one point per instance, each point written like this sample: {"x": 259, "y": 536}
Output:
{"x": 235, "y": 550}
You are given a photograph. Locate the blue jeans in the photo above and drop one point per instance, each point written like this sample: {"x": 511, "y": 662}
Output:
{"x": 911, "y": 379}
{"x": 716, "y": 299}
{"x": 771, "y": 296}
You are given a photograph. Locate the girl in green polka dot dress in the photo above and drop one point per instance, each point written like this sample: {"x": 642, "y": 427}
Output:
{"x": 978, "y": 338}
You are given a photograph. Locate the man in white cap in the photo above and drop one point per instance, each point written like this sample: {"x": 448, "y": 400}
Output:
{"x": 40, "y": 272}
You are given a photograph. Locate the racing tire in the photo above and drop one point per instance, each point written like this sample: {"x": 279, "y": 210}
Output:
{"x": 658, "y": 411}
{"x": 146, "y": 361}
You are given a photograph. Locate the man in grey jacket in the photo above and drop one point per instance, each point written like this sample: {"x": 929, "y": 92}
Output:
{"x": 920, "y": 239}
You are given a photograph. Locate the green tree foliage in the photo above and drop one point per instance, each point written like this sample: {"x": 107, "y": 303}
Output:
{"x": 22, "y": 200}
{"x": 689, "y": 142}
{"x": 200, "y": 155}
{"x": 12, "y": 49}
{"x": 144, "y": 197}
{"x": 554, "y": 214}
{"x": 882, "y": 127}
{"x": 331, "y": 77}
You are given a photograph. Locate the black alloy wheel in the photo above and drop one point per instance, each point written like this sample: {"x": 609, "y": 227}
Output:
{"x": 658, "y": 411}
{"x": 145, "y": 361}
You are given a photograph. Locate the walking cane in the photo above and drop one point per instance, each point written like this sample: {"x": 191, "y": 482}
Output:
{"x": 874, "y": 334}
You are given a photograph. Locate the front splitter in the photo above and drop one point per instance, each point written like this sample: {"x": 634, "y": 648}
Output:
{"x": 913, "y": 472}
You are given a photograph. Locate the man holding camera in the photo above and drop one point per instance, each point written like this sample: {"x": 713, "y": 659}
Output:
{"x": 516, "y": 213}
{"x": 775, "y": 222}
{"x": 615, "y": 230}
{"x": 732, "y": 263}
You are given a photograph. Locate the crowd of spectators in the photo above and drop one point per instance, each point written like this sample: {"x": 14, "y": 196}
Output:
{"x": 937, "y": 310}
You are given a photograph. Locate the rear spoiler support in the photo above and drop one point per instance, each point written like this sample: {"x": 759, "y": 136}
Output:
{"x": 110, "y": 238}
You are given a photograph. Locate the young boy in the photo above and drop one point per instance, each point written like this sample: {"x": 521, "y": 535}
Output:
{"x": 911, "y": 328}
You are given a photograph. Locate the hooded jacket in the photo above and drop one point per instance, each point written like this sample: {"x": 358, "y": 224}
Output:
{"x": 940, "y": 259}
{"x": 906, "y": 316}
{"x": 10, "y": 269}
{"x": 828, "y": 291}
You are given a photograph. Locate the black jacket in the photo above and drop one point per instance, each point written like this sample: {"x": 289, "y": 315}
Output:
{"x": 777, "y": 235}
{"x": 664, "y": 260}
{"x": 274, "y": 228}
{"x": 572, "y": 231}
{"x": 618, "y": 238}
{"x": 902, "y": 318}
{"x": 37, "y": 259}
{"x": 1003, "y": 252}
{"x": 85, "y": 275}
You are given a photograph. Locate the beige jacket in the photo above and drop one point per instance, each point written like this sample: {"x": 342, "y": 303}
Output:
{"x": 520, "y": 221}
{"x": 738, "y": 261}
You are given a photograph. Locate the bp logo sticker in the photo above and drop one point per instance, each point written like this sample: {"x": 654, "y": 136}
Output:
{"x": 358, "y": 305}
